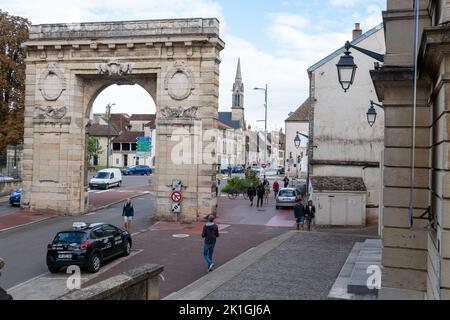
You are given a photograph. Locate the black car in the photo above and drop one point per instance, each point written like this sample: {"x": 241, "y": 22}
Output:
{"x": 87, "y": 246}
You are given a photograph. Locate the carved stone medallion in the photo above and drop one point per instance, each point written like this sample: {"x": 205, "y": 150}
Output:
{"x": 51, "y": 113}
{"x": 52, "y": 82}
{"x": 115, "y": 68}
{"x": 179, "y": 82}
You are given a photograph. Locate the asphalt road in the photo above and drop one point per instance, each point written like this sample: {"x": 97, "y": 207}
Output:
{"x": 6, "y": 209}
{"x": 24, "y": 249}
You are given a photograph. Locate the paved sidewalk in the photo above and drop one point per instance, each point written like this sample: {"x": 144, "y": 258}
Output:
{"x": 294, "y": 266}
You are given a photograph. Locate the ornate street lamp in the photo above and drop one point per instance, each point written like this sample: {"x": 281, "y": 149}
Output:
{"x": 372, "y": 113}
{"x": 297, "y": 141}
{"x": 346, "y": 69}
{"x": 346, "y": 66}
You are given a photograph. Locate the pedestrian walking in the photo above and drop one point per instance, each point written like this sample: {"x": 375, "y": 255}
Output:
{"x": 210, "y": 234}
{"x": 276, "y": 188}
{"x": 286, "y": 181}
{"x": 310, "y": 214}
{"x": 266, "y": 191}
{"x": 260, "y": 193}
{"x": 251, "y": 192}
{"x": 300, "y": 213}
{"x": 230, "y": 171}
{"x": 128, "y": 215}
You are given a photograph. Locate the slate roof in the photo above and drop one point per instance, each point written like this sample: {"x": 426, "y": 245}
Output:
{"x": 338, "y": 184}
{"x": 301, "y": 114}
{"x": 128, "y": 136}
{"x": 223, "y": 126}
{"x": 99, "y": 130}
{"x": 226, "y": 118}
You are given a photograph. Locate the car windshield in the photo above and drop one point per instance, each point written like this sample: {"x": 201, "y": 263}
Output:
{"x": 70, "y": 237}
{"x": 287, "y": 193}
{"x": 102, "y": 175}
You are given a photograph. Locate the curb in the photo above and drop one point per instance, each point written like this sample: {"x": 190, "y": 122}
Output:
{"x": 94, "y": 210}
{"x": 27, "y": 224}
{"x": 201, "y": 288}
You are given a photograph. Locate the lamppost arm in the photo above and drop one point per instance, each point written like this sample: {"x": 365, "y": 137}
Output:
{"x": 377, "y": 56}
{"x": 376, "y": 104}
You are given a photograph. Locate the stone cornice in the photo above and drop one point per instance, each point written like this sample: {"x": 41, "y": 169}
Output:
{"x": 369, "y": 164}
{"x": 435, "y": 44}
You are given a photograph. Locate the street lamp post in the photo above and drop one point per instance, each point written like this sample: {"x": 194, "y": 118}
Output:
{"x": 108, "y": 112}
{"x": 265, "y": 121}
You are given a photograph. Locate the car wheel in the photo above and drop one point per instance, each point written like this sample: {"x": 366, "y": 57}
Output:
{"x": 119, "y": 184}
{"x": 278, "y": 208}
{"x": 127, "y": 249}
{"x": 94, "y": 263}
{"x": 107, "y": 186}
{"x": 53, "y": 269}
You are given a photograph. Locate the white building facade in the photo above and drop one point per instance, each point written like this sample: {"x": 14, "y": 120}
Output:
{"x": 343, "y": 145}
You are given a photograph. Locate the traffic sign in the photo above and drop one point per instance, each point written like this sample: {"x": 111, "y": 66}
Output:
{"x": 144, "y": 146}
{"x": 176, "y": 197}
{"x": 176, "y": 207}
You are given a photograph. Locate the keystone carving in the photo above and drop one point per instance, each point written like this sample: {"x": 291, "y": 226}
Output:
{"x": 115, "y": 68}
{"x": 179, "y": 113}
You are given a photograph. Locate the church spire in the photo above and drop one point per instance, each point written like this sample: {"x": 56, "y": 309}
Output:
{"x": 238, "y": 89}
{"x": 237, "y": 107}
{"x": 238, "y": 72}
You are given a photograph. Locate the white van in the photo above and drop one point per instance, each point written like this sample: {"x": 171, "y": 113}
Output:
{"x": 104, "y": 179}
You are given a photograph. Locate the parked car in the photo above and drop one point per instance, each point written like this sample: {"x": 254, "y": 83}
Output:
{"x": 238, "y": 169}
{"x": 106, "y": 178}
{"x": 4, "y": 178}
{"x": 87, "y": 246}
{"x": 14, "y": 197}
{"x": 287, "y": 197}
{"x": 137, "y": 170}
{"x": 280, "y": 170}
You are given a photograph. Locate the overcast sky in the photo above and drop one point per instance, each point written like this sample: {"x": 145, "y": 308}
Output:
{"x": 277, "y": 40}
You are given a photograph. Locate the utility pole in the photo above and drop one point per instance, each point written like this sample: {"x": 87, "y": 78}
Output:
{"x": 265, "y": 106}
{"x": 108, "y": 112}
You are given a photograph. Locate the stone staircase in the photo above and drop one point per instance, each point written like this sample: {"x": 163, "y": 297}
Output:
{"x": 351, "y": 283}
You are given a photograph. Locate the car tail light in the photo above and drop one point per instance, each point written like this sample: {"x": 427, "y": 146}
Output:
{"x": 86, "y": 245}
{"x": 50, "y": 246}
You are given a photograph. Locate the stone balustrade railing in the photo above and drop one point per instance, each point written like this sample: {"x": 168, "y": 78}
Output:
{"x": 138, "y": 284}
{"x": 3, "y": 294}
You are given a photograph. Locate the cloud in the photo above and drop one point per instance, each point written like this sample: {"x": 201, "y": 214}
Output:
{"x": 344, "y": 3}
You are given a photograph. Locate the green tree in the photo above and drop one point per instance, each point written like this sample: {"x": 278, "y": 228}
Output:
{"x": 13, "y": 33}
{"x": 94, "y": 147}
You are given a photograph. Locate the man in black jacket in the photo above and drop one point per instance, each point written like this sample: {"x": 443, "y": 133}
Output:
{"x": 251, "y": 192}
{"x": 260, "y": 192}
{"x": 210, "y": 234}
{"x": 300, "y": 212}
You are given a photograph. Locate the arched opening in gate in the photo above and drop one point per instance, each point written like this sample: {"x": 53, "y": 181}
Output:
{"x": 121, "y": 134}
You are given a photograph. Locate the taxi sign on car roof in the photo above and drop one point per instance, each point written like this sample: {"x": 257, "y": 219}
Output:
{"x": 79, "y": 225}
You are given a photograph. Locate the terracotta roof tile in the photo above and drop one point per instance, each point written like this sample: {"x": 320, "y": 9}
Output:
{"x": 338, "y": 184}
{"x": 301, "y": 114}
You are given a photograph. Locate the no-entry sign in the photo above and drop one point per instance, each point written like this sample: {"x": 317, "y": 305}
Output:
{"x": 176, "y": 197}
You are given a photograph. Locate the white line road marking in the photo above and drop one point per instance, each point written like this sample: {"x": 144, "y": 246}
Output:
{"x": 104, "y": 191}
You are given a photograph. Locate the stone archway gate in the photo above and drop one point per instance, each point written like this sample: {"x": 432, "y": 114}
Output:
{"x": 68, "y": 65}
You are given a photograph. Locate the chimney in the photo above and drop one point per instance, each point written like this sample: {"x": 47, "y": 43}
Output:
{"x": 357, "y": 32}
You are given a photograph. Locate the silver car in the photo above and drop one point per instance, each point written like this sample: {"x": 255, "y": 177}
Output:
{"x": 287, "y": 198}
